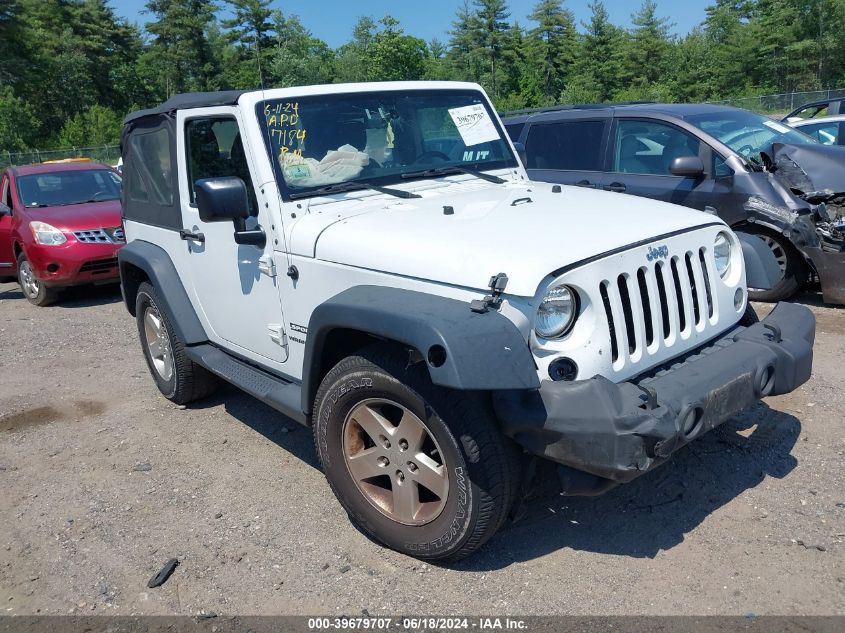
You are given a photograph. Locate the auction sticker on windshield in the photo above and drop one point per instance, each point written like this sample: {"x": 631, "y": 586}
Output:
{"x": 777, "y": 127}
{"x": 474, "y": 124}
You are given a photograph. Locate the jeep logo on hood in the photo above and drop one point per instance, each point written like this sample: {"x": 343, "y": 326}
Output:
{"x": 657, "y": 252}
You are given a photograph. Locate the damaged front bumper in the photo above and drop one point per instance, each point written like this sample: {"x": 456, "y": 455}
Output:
{"x": 830, "y": 267}
{"x": 616, "y": 432}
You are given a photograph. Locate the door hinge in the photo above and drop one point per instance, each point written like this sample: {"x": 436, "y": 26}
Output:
{"x": 266, "y": 265}
{"x": 277, "y": 334}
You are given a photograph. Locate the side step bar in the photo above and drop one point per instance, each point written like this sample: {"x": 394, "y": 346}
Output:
{"x": 283, "y": 396}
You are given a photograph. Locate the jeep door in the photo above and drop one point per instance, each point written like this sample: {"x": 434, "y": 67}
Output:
{"x": 642, "y": 151}
{"x": 568, "y": 151}
{"x": 7, "y": 255}
{"x": 233, "y": 284}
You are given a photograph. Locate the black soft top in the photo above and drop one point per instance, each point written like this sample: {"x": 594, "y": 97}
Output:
{"x": 187, "y": 101}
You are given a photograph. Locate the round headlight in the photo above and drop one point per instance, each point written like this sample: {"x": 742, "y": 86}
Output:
{"x": 557, "y": 312}
{"x": 722, "y": 254}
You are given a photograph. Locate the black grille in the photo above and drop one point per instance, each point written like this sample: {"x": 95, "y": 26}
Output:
{"x": 99, "y": 265}
{"x": 664, "y": 298}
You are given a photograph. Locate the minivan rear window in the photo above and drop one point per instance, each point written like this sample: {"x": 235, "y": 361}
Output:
{"x": 568, "y": 146}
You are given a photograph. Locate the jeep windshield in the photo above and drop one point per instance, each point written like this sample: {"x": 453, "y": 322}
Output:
{"x": 380, "y": 138}
{"x": 63, "y": 188}
{"x": 747, "y": 133}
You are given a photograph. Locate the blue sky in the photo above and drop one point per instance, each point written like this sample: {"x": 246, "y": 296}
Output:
{"x": 332, "y": 20}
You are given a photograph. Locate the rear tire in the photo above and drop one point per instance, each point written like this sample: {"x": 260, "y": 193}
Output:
{"x": 34, "y": 289}
{"x": 458, "y": 470}
{"x": 791, "y": 262}
{"x": 179, "y": 379}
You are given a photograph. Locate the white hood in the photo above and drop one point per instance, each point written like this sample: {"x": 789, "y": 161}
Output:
{"x": 494, "y": 229}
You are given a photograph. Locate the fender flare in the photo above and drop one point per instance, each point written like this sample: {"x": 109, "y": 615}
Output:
{"x": 159, "y": 269}
{"x": 471, "y": 351}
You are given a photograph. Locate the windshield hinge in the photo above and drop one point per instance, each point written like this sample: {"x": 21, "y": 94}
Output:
{"x": 266, "y": 265}
{"x": 277, "y": 334}
{"x": 497, "y": 285}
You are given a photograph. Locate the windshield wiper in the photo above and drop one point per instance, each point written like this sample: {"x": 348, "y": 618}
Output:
{"x": 352, "y": 185}
{"x": 453, "y": 169}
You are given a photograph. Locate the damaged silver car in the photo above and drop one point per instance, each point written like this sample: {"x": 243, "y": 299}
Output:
{"x": 759, "y": 175}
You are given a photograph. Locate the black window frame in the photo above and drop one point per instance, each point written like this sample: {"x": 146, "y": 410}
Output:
{"x": 705, "y": 150}
{"x": 604, "y": 120}
{"x": 163, "y": 216}
{"x": 286, "y": 191}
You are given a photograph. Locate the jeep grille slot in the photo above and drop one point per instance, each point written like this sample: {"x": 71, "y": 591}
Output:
{"x": 679, "y": 293}
{"x": 706, "y": 276}
{"x": 605, "y": 299}
{"x": 627, "y": 316}
{"x": 657, "y": 306}
{"x": 695, "y": 283}
{"x": 649, "y": 318}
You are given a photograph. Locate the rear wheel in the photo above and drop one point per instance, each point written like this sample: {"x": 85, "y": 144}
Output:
{"x": 422, "y": 469}
{"x": 793, "y": 270}
{"x": 33, "y": 289}
{"x": 178, "y": 378}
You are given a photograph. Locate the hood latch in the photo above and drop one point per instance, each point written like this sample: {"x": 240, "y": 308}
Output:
{"x": 497, "y": 285}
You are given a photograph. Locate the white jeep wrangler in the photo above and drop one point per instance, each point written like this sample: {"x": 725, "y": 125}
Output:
{"x": 371, "y": 260}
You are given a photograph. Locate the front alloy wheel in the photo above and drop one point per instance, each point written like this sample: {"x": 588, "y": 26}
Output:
{"x": 33, "y": 289}
{"x": 398, "y": 467}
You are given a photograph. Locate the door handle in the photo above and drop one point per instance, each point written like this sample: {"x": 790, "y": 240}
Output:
{"x": 618, "y": 187}
{"x": 190, "y": 235}
{"x": 585, "y": 183}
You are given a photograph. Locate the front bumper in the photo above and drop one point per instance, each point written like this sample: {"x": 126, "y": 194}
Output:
{"x": 74, "y": 263}
{"x": 830, "y": 267}
{"x": 619, "y": 431}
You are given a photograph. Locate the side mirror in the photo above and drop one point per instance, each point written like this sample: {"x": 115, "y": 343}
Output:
{"x": 688, "y": 166}
{"x": 520, "y": 151}
{"x": 5, "y": 210}
{"x": 221, "y": 199}
{"x": 225, "y": 199}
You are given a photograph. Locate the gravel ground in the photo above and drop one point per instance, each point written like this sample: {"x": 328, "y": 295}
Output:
{"x": 104, "y": 480}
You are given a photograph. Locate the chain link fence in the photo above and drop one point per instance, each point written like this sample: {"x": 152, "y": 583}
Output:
{"x": 108, "y": 154}
{"x": 783, "y": 103}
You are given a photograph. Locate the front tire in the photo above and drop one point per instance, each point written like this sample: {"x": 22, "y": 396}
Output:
{"x": 34, "y": 289}
{"x": 793, "y": 269}
{"x": 179, "y": 379}
{"x": 422, "y": 469}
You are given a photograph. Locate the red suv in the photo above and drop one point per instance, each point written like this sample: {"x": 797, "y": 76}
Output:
{"x": 60, "y": 226}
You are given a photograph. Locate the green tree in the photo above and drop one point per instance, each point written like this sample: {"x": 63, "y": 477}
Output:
{"x": 394, "y": 56}
{"x": 647, "y": 50}
{"x": 380, "y": 51}
{"x": 552, "y": 46}
{"x": 464, "y": 54}
{"x": 251, "y": 29}
{"x": 598, "y": 69}
{"x": 18, "y": 123}
{"x": 97, "y": 126}
{"x": 351, "y": 61}
{"x": 180, "y": 53}
{"x": 489, "y": 30}
{"x": 13, "y": 46}
{"x": 300, "y": 58}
